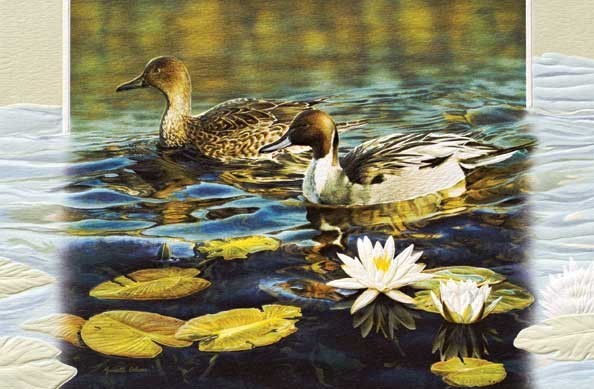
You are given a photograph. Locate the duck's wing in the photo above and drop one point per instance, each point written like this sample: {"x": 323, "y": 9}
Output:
{"x": 371, "y": 161}
{"x": 244, "y": 113}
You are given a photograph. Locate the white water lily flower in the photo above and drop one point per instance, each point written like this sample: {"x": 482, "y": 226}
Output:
{"x": 463, "y": 302}
{"x": 571, "y": 292}
{"x": 377, "y": 270}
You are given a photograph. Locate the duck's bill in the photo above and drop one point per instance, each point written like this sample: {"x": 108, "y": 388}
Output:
{"x": 135, "y": 83}
{"x": 283, "y": 142}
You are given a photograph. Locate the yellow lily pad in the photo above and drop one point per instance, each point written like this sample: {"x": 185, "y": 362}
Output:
{"x": 241, "y": 329}
{"x": 480, "y": 275}
{"x": 469, "y": 372}
{"x": 238, "y": 248}
{"x": 152, "y": 284}
{"x": 60, "y": 325}
{"x": 132, "y": 334}
{"x": 512, "y": 297}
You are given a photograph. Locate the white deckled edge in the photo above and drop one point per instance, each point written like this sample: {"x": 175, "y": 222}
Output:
{"x": 529, "y": 87}
{"x": 66, "y": 67}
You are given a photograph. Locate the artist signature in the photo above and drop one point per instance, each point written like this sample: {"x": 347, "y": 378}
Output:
{"x": 124, "y": 370}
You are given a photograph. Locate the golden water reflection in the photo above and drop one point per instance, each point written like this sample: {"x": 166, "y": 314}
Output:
{"x": 243, "y": 48}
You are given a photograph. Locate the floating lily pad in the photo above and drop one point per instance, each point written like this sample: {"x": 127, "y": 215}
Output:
{"x": 16, "y": 277}
{"x": 469, "y": 372}
{"x": 131, "y": 334}
{"x": 152, "y": 284}
{"x": 241, "y": 329}
{"x": 480, "y": 275}
{"x": 31, "y": 363}
{"x": 564, "y": 338}
{"x": 238, "y": 248}
{"x": 512, "y": 297}
{"x": 61, "y": 325}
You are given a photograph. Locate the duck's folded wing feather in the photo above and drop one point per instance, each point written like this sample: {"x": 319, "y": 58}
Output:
{"x": 371, "y": 161}
{"x": 239, "y": 114}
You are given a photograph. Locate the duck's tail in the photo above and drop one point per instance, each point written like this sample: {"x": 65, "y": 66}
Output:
{"x": 496, "y": 156}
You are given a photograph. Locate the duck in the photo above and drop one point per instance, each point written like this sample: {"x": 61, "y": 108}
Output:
{"x": 393, "y": 168}
{"x": 233, "y": 129}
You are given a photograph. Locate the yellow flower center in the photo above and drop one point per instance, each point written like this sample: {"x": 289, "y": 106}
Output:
{"x": 382, "y": 263}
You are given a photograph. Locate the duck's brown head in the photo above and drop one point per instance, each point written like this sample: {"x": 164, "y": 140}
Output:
{"x": 312, "y": 128}
{"x": 167, "y": 74}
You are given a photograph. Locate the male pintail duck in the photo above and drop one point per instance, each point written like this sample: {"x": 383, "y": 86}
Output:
{"x": 392, "y": 168}
{"x": 234, "y": 129}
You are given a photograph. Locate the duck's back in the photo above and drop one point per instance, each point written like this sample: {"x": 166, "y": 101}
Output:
{"x": 371, "y": 161}
{"x": 238, "y": 128}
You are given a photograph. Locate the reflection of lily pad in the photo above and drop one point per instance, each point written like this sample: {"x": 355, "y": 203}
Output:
{"x": 132, "y": 334}
{"x": 512, "y": 297}
{"x": 238, "y": 248}
{"x": 469, "y": 372}
{"x": 61, "y": 325}
{"x": 152, "y": 284}
{"x": 480, "y": 275}
{"x": 241, "y": 329}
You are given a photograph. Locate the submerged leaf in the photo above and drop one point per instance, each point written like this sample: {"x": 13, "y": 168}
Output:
{"x": 310, "y": 289}
{"x": 238, "y": 248}
{"x": 164, "y": 252}
{"x": 469, "y": 372}
{"x": 31, "y": 363}
{"x": 132, "y": 334}
{"x": 480, "y": 275}
{"x": 566, "y": 338}
{"x": 152, "y": 284}
{"x": 512, "y": 297}
{"x": 16, "y": 277}
{"x": 60, "y": 325}
{"x": 241, "y": 329}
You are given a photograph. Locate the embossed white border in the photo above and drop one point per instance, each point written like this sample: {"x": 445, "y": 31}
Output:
{"x": 66, "y": 67}
{"x": 529, "y": 87}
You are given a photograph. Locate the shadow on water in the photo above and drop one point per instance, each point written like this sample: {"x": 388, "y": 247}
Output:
{"x": 402, "y": 66}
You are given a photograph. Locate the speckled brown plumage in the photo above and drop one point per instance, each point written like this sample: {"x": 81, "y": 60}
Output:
{"x": 234, "y": 129}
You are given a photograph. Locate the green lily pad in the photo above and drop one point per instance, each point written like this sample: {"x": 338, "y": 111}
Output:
{"x": 480, "y": 275}
{"x": 512, "y": 297}
{"x": 469, "y": 372}
{"x": 237, "y": 248}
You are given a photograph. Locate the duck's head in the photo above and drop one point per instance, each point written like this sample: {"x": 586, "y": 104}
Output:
{"x": 312, "y": 128}
{"x": 167, "y": 74}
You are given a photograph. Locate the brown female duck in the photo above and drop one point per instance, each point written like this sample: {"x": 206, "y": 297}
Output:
{"x": 234, "y": 129}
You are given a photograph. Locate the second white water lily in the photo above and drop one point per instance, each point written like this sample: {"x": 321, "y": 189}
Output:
{"x": 463, "y": 302}
{"x": 378, "y": 271}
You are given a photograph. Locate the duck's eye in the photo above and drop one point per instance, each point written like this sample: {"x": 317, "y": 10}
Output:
{"x": 157, "y": 70}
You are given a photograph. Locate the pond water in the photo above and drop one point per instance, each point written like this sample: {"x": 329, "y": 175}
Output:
{"x": 123, "y": 198}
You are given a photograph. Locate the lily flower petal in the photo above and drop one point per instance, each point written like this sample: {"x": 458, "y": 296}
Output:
{"x": 346, "y": 283}
{"x": 397, "y": 295}
{"x": 364, "y": 299}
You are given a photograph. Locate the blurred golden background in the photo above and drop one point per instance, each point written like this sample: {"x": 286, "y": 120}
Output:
{"x": 282, "y": 48}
